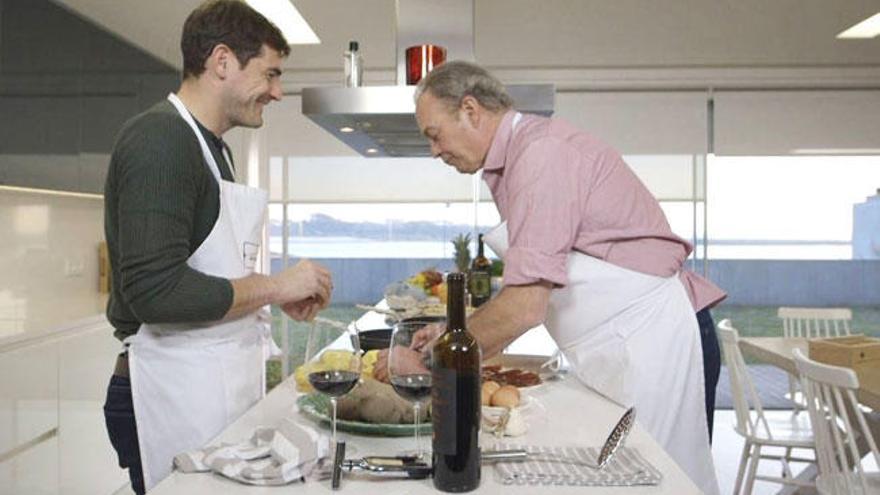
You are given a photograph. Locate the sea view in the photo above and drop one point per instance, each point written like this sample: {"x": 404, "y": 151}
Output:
{"x": 352, "y": 247}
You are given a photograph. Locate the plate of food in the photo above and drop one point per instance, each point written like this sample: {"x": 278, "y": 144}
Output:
{"x": 506, "y": 411}
{"x": 520, "y": 371}
{"x": 372, "y": 408}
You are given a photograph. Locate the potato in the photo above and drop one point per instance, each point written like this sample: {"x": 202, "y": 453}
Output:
{"x": 485, "y": 397}
{"x": 490, "y": 386}
{"x": 487, "y": 390}
{"x": 506, "y": 396}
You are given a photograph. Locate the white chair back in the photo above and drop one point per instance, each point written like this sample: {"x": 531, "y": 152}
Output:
{"x": 815, "y": 322}
{"x": 837, "y": 422}
{"x": 750, "y": 418}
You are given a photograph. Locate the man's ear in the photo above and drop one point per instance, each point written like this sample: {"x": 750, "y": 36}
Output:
{"x": 471, "y": 109}
{"x": 220, "y": 60}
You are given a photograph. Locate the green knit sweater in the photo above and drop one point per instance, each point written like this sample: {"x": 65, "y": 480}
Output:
{"x": 160, "y": 203}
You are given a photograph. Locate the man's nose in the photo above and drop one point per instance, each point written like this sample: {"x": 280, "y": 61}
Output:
{"x": 276, "y": 92}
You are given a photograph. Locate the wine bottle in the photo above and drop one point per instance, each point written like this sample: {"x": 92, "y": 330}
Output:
{"x": 480, "y": 282}
{"x": 455, "y": 398}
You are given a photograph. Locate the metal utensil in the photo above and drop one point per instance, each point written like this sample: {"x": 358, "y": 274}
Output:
{"x": 399, "y": 466}
{"x": 609, "y": 448}
{"x": 616, "y": 437}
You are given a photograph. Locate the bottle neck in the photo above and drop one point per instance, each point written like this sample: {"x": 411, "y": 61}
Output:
{"x": 455, "y": 306}
{"x": 480, "y": 247}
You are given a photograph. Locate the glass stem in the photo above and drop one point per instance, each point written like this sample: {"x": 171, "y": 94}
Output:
{"x": 416, "y": 411}
{"x": 333, "y": 438}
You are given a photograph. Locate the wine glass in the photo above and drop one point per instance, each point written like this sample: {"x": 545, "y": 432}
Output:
{"x": 409, "y": 371}
{"x": 333, "y": 358}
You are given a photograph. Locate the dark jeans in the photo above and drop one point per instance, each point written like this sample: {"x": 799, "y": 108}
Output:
{"x": 711, "y": 362}
{"x": 119, "y": 416}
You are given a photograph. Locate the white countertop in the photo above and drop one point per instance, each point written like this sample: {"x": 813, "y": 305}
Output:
{"x": 576, "y": 416}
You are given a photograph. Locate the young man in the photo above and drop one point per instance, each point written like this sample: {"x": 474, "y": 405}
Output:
{"x": 183, "y": 238}
{"x": 587, "y": 252}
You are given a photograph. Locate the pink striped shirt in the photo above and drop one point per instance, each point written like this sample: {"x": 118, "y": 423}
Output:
{"x": 561, "y": 189}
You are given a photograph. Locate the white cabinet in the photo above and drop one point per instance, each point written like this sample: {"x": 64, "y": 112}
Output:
{"x": 52, "y": 433}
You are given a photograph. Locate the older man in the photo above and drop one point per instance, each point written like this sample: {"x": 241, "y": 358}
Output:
{"x": 588, "y": 252}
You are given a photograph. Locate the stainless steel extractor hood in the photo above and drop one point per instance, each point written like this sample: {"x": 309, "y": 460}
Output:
{"x": 380, "y": 120}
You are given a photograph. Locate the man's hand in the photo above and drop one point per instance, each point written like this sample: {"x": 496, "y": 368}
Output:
{"x": 424, "y": 339}
{"x": 304, "y": 310}
{"x": 408, "y": 361}
{"x": 303, "y": 289}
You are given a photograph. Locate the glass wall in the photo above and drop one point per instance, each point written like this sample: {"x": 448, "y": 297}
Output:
{"x": 355, "y": 214}
{"x": 782, "y": 233}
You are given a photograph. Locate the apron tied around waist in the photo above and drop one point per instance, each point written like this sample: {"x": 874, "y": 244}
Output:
{"x": 634, "y": 338}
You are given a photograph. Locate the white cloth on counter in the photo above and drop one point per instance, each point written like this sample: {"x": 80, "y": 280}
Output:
{"x": 570, "y": 466}
{"x": 272, "y": 456}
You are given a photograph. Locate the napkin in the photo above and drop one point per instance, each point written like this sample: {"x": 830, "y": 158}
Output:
{"x": 560, "y": 466}
{"x": 271, "y": 456}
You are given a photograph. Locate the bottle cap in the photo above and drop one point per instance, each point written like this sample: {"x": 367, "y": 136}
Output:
{"x": 353, "y": 46}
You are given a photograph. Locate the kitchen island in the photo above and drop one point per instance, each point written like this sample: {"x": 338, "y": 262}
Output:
{"x": 569, "y": 415}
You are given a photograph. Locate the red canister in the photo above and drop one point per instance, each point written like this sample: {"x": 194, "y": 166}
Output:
{"x": 421, "y": 59}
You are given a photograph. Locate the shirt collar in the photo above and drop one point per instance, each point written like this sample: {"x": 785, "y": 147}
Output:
{"x": 217, "y": 141}
{"x": 497, "y": 155}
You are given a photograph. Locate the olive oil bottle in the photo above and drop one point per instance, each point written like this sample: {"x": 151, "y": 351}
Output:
{"x": 455, "y": 398}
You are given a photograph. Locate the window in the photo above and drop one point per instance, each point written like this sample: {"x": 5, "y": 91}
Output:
{"x": 784, "y": 207}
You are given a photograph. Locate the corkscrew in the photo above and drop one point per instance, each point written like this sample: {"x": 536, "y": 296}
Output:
{"x": 397, "y": 466}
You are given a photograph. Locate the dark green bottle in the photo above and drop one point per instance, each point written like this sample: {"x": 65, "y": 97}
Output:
{"x": 455, "y": 398}
{"x": 480, "y": 277}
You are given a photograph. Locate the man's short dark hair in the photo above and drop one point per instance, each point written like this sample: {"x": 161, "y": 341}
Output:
{"x": 232, "y": 23}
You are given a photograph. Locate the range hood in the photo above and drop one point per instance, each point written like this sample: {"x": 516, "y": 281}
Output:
{"x": 379, "y": 121}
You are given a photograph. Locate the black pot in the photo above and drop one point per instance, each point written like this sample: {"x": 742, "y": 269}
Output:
{"x": 427, "y": 320}
{"x": 379, "y": 338}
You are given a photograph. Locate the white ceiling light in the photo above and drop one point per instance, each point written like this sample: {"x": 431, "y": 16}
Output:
{"x": 284, "y": 15}
{"x": 868, "y": 28}
{"x": 836, "y": 151}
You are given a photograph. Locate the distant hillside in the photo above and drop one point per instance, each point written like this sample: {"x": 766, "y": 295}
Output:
{"x": 320, "y": 225}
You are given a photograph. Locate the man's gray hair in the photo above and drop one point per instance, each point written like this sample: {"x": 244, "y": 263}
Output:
{"x": 454, "y": 80}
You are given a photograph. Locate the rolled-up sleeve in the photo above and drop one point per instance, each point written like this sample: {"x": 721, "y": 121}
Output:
{"x": 543, "y": 213}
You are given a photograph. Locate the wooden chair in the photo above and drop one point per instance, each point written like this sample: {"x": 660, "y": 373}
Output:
{"x": 838, "y": 423}
{"x": 815, "y": 322}
{"x": 759, "y": 432}
{"x": 810, "y": 323}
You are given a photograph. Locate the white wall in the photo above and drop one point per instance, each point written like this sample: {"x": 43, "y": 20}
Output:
{"x": 48, "y": 260}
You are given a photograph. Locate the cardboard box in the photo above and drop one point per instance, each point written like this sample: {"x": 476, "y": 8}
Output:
{"x": 854, "y": 351}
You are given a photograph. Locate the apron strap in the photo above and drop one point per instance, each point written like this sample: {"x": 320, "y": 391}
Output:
{"x": 206, "y": 151}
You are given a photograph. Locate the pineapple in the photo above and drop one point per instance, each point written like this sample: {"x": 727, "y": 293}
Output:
{"x": 462, "y": 243}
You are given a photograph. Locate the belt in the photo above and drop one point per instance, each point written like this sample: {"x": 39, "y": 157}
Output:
{"x": 121, "y": 368}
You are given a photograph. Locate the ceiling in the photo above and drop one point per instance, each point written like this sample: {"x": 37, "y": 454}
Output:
{"x": 550, "y": 34}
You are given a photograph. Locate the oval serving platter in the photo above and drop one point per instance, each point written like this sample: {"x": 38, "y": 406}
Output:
{"x": 317, "y": 408}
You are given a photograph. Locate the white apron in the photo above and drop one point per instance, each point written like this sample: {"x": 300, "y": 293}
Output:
{"x": 634, "y": 338}
{"x": 189, "y": 381}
